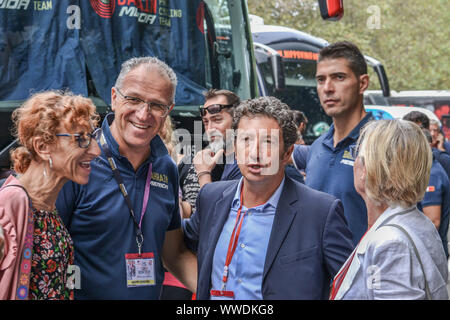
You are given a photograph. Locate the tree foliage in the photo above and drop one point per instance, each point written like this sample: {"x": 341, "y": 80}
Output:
{"x": 411, "y": 38}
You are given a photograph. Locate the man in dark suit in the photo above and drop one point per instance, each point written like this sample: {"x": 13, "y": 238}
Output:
{"x": 266, "y": 236}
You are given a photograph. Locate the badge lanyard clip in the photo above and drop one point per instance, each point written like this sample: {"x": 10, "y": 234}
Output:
{"x": 224, "y": 278}
{"x": 139, "y": 241}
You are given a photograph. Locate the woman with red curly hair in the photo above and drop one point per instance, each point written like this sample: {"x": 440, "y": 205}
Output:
{"x": 55, "y": 131}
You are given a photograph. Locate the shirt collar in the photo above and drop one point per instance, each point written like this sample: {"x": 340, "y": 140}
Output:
{"x": 273, "y": 200}
{"x": 353, "y": 135}
{"x": 389, "y": 212}
{"x": 157, "y": 146}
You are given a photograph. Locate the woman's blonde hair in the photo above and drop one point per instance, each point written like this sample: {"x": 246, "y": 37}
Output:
{"x": 41, "y": 115}
{"x": 398, "y": 159}
{"x": 168, "y": 137}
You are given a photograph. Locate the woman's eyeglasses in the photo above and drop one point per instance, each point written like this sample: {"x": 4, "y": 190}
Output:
{"x": 84, "y": 139}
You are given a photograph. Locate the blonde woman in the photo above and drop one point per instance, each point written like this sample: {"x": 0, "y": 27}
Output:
{"x": 401, "y": 254}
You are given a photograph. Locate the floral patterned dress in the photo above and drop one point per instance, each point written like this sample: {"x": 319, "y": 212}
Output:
{"x": 52, "y": 255}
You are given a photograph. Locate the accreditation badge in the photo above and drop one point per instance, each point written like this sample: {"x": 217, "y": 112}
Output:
{"x": 140, "y": 269}
{"x": 222, "y": 294}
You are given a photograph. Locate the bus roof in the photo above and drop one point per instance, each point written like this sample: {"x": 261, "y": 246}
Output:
{"x": 422, "y": 93}
{"x": 268, "y": 34}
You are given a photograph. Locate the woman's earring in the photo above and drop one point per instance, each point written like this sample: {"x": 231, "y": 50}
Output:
{"x": 50, "y": 162}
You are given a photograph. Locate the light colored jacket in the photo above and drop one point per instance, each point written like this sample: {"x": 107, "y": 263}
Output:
{"x": 386, "y": 266}
{"x": 13, "y": 219}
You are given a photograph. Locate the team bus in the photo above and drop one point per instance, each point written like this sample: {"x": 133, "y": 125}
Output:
{"x": 80, "y": 46}
{"x": 286, "y": 62}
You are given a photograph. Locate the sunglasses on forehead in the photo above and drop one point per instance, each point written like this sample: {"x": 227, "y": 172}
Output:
{"x": 214, "y": 108}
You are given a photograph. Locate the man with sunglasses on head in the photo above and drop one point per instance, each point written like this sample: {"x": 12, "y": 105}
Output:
{"x": 216, "y": 162}
{"x": 125, "y": 223}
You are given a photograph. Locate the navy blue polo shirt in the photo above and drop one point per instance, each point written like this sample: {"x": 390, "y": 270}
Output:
{"x": 443, "y": 158}
{"x": 330, "y": 169}
{"x": 438, "y": 194}
{"x": 101, "y": 226}
{"x": 447, "y": 147}
{"x": 300, "y": 155}
{"x": 231, "y": 170}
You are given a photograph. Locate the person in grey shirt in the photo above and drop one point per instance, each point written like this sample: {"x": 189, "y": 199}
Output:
{"x": 401, "y": 255}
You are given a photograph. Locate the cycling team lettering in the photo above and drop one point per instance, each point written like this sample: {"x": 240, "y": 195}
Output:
{"x": 145, "y": 11}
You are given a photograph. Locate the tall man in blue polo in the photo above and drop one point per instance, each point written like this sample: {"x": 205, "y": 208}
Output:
{"x": 341, "y": 81}
{"x": 266, "y": 236}
{"x": 125, "y": 223}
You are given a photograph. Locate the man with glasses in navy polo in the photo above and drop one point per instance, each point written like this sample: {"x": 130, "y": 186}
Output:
{"x": 125, "y": 223}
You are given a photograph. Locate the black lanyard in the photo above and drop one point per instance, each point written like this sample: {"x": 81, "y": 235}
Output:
{"x": 139, "y": 235}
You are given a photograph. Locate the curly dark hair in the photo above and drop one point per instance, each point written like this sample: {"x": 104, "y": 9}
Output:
{"x": 272, "y": 108}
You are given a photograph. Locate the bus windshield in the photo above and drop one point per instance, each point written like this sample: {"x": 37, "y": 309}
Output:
{"x": 300, "y": 93}
{"x": 229, "y": 57}
{"x": 299, "y": 54}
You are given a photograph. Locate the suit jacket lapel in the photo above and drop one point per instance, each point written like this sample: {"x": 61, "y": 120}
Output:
{"x": 284, "y": 215}
{"x": 220, "y": 211}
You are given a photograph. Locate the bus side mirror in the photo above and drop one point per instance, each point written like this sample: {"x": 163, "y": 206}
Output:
{"x": 278, "y": 72}
{"x": 381, "y": 73}
{"x": 265, "y": 54}
{"x": 331, "y": 9}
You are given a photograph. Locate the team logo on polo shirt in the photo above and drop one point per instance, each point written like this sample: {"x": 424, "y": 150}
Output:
{"x": 160, "y": 180}
{"x": 431, "y": 189}
{"x": 347, "y": 158}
